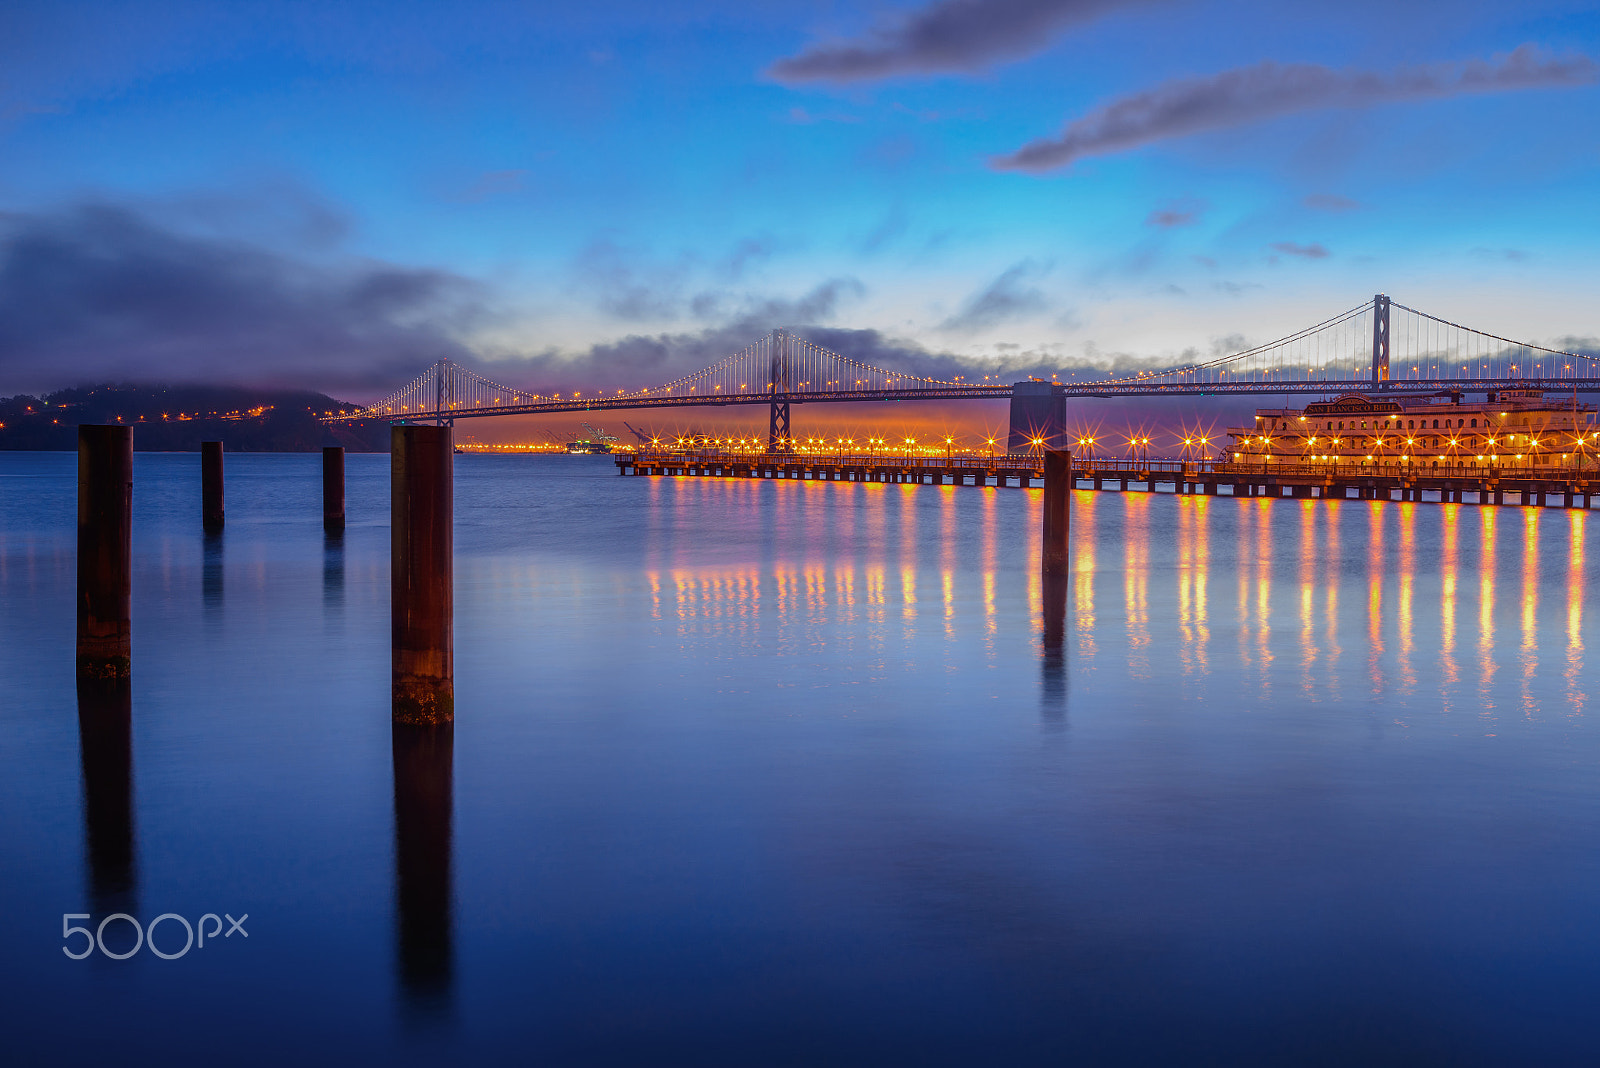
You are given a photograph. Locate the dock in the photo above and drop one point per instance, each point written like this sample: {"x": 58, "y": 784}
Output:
{"x": 1545, "y": 487}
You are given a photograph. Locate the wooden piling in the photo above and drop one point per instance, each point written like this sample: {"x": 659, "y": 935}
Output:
{"x": 421, "y": 595}
{"x": 211, "y": 485}
{"x": 1057, "y": 511}
{"x": 105, "y": 535}
{"x": 333, "y": 488}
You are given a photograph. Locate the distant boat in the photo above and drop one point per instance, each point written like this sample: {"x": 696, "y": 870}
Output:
{"x": 598, "y": 441}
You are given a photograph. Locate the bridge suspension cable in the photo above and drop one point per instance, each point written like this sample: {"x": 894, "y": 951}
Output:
{"x": 782, "y": 362}
{"x": 1377, "y": 345}
{"x": 444, "y": 387}
{"x": 1431, "y": 349}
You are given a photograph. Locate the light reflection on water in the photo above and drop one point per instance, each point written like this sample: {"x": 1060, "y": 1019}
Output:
{"x": 752, "y": 771}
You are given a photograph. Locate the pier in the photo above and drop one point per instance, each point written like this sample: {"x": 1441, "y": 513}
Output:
{"x": 1566, "y": 488}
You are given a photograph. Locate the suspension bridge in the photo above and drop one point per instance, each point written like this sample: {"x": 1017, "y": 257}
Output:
{"x": 1378, "y": 345}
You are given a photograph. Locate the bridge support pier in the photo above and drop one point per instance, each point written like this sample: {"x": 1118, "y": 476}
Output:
{"x": 421, "y": 594}
{"x": 105, "y": 535}
{"x": 1057, "y": 511}
{"x": 333, "y": 488}
{"x": 211, "y": 486}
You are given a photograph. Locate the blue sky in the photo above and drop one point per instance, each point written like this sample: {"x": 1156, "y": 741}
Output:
{"x": 334, "y": 194}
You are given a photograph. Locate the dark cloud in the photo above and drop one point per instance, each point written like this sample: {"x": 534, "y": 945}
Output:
{"x": 102, "y": 291}
{"x": 1179, "y": 213}
{"x": 1307, "y": 252}
{"x": 949, "y": 35}
{"x": 1581, "y": 345}
{"x": 1330, "y": 202}
{"x": 1267, "y": 90}
{"x": 1007, "y": 297}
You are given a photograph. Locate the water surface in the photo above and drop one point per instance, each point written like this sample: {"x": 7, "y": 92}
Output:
{"x": 751, "y": 772}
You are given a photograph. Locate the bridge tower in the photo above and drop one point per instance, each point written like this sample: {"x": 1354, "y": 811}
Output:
{"x": 778, "y": 432}
{"x": 443, "y": 391}
{"x": 1380, "y": 341}
{"x": 1038, "y": 417}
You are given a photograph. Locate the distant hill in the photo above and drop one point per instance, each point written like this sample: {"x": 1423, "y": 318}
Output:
{"x": 179, "y": 418}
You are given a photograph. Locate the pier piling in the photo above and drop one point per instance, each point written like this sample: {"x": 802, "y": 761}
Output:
{"x": 333, "y": 488}
{"x": 211, "y": 485}
{"x": 421, "y": 597}
{"x": 105, "y": 533}
{"x": 1057, "y": 510}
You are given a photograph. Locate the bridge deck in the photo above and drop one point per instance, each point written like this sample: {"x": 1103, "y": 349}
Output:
{"x": 1574, "y": 488}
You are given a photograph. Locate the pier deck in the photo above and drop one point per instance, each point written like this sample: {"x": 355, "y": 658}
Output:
{"x": 1542, "y": 487}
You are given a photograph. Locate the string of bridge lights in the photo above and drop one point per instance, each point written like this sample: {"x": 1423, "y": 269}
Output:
{"x": 1337, "y": 350}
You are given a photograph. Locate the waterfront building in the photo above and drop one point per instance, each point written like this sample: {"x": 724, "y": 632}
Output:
{"x": 1509, "y": 428}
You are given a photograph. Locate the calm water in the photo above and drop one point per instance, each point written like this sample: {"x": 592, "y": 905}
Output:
{"x": 754, "y": 773}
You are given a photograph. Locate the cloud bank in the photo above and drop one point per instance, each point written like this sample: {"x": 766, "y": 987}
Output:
{"x": 1268, "y": 90}
{"x": 179, "y": 294}
{"x": 950, "y": 35}
{"x": 101, "y": 291}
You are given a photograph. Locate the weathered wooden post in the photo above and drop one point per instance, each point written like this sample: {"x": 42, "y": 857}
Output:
{"x": 211, "y": 485}
{"x": 105, "y": 534}
{"x": 1057, "y": 510}
{"x": 421, "y": 602}
{"x": 333, "y": 488}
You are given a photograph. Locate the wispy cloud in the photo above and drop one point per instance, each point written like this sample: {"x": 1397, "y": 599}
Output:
{"x": 949, "y": 35}
{"x": 1007, "y": 297}
{"x": 1515, "y": 255}
{"x": 1184, "y": 212}
{"x": 1330, "y": 202}
{"x": 1267, "y": 90}
{"x": 1305, "y": 252}
{"x": 801, "y": 117}
{"x": 493, "y": 184}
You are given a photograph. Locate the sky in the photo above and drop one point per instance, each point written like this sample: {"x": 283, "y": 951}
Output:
{"x": 333, "y": 195}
